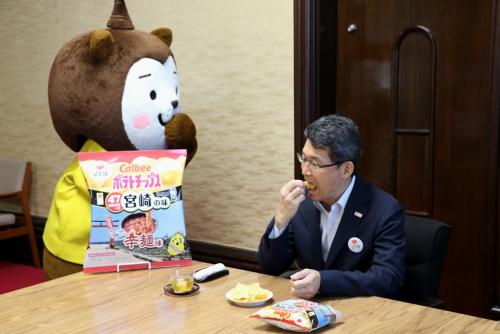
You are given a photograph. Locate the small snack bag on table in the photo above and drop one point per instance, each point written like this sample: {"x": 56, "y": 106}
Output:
{"x": 298, "y": 315}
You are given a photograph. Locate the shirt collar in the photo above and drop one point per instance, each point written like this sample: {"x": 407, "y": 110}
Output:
{"x": 342, "y": 201}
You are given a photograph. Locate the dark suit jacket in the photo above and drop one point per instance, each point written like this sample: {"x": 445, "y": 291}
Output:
{"x": 377, "y": 270}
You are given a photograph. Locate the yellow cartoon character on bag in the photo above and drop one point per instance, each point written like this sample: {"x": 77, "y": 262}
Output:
{"x": 177, "y": 244}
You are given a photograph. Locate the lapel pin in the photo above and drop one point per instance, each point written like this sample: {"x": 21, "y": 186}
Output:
{"x": 358, "y": 214}
{"x": 355, "y": 245}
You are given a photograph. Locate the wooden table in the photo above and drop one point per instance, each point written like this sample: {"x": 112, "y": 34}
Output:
{"x": 134, "y": 302}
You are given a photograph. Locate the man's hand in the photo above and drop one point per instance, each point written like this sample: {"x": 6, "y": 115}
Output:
{"x": 305, "y": 283}
{"x": 291, "y": 195}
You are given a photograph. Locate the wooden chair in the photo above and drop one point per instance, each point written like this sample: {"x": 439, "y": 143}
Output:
{"x": 15, "y": 182}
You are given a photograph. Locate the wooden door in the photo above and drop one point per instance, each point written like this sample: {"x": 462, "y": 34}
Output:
{"x": 418, "y": 78}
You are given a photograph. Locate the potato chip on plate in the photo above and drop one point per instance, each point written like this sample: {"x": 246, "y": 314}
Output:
{"x": 248, "y": 295}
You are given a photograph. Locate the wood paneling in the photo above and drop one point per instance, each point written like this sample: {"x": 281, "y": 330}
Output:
{"x": 413, "y": 169}
{"x": 413, "y": 84}
{"x": 364, "y": 85}
{"x": 305, "y": 64}
{"x": 314, "y": 63}
{"x": 494, "y": 211}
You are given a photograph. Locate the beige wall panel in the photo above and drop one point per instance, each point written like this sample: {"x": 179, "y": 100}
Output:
{"x": 235, "y": 61}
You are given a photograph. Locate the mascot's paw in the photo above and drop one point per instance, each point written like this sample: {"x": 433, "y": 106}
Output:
{"x": 181, "y": 133}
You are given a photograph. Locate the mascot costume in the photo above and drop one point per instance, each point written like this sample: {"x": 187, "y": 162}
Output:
{"x": 111, "y": 89}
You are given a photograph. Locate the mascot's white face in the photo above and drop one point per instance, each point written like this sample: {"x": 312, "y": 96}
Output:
{"x": 150, "y": 100}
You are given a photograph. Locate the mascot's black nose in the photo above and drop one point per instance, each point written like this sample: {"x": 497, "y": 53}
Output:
{"x": 175, "y": 103}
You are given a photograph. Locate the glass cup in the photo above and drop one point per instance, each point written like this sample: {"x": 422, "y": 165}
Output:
{"x": 182, "y": 280}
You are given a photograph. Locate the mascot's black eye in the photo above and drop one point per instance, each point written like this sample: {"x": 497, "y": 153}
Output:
{"x": 152, "y": 95}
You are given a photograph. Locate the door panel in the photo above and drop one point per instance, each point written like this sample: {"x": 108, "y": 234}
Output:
{"x": 413, "y": 172}
{"x": 416, "y": 78}
{"x": 413, "y": 87}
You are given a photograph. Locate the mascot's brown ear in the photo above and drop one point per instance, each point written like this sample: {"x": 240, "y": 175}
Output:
{"x": 101, "y": 43}
{"x": 165, "y": 34}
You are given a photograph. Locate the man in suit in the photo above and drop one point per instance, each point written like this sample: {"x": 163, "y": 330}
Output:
{"x": 347, "y": 235}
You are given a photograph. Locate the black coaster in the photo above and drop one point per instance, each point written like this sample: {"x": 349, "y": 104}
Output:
{"x": 170, "y": 290}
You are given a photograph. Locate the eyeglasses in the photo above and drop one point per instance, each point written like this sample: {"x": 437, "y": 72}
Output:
{"x": 314, "y": 165}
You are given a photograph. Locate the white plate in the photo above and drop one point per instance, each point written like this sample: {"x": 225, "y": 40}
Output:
{"x": 249, "y": 303}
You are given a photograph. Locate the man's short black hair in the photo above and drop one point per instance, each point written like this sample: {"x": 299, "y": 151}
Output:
{"x": 339, "y": 136}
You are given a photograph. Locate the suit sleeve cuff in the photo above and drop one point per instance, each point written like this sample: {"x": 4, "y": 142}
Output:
{"x": 276, "y": 232}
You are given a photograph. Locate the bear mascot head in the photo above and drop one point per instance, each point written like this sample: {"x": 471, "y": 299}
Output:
{"x": 119, "y": 87}
{"x": 110, "y": 89}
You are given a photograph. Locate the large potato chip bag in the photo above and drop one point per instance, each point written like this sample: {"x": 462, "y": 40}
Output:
{"x": 298, "y": 315}
{"x": 136, "y": 210}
